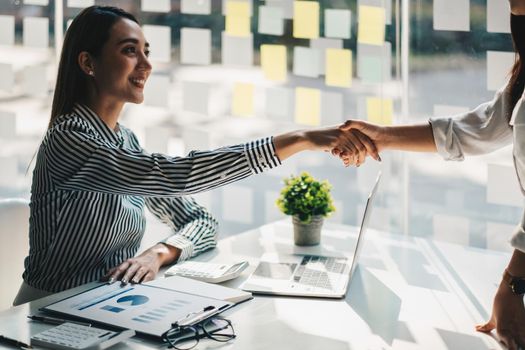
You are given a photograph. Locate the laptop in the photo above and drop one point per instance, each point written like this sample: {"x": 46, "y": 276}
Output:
{"x": 309, "y": 275}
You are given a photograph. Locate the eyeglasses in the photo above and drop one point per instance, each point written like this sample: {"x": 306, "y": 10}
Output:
{"x": 187, "y": 337}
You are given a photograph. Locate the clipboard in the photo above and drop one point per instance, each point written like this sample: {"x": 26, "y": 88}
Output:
{"x": 146, "y": 309}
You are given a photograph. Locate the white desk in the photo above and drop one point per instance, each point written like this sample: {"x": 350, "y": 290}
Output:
{"x": 408, "y": 293}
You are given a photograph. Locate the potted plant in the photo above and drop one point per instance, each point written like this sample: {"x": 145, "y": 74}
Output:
{"x": 309, "y": 202}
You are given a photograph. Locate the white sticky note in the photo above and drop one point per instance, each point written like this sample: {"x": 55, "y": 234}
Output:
{"x": 196, "y": 97}
{"x": 452, "y": 15}
{"x": 237, "y": 204}
{"x": 34, "y": 80}
{"x": 36, "y": 2}
{"x": 8, "y": 77}
{"x": 36, "y": 32}
{"x": 498, "y": 236}
{"x": 159, "y": 38}
{"x": 285, "y": 5}
{"x": 7, "y": 30}
{"x": 80, "y": 3}
{"x": 331, "y": 108}
{"x": 306, "y": 62}
{"x": 237, "y": 51}
{"x": 499, "y": 64}
{"x": 157, "y": 139}
{"x": 322, "y": 44}
{"x": 195, "y": 46}
{"x": 156, "y": 90}
{"x": 451, "y": 228}
{"x": 196, "y": 7}
{"x": 374, "y": 63}
{"x": 498, "y": 18}
{"x": 7, "y": 124}
{"x": 9, "y": 167}
{"x": 280, "y": 104}
{"x": 271, "y": 210}
{"x": 503, "y": 186}
{"x": 196, "y": 139}
{"x": 271, "y": 20}
{"x": 156, "y": 5}
{"x": 337, "y": 23}
{"x": 448, "y": 110}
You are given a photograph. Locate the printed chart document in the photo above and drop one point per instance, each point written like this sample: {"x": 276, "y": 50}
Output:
{"x": 144, "y": 308}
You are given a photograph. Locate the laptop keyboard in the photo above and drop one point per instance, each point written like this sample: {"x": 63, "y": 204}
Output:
{"x": 313, "y": 270}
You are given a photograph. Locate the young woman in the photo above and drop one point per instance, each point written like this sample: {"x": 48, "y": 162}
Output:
{"x": 92, "y": 178}
{"x": 490, "y": 126}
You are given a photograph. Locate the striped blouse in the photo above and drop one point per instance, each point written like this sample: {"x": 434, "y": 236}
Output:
{"x": 90, "y": 185}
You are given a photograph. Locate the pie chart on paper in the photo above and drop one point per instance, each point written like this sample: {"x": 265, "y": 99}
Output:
{"x": 133, "y": 300}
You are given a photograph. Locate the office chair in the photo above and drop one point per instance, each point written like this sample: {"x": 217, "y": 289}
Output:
{"x": 14, "y": 246}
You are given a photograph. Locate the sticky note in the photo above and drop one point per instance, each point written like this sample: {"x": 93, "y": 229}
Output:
{"x": 452, "y": 15}
{"x": 7, "y": 30}
{"x": 371, "y": 27}
{"x": 271, "y": 20}
{"x": 36, "y": 2}
{"x": 80, "y": 3}
{"x": 371, "y": 69}
{"x": 159, "y": 38}
{"x": 156, "y": 90}
{"x": 36, "y": 32}
{"x": 156, "y": 5}
{"x": 7, "y": 124}
{"x": 237, "y": 10}
{"x": 502, "y": 185}
{"x": 279, "y": 104}
{"x": 498, "y": 20}
{"x": 451, "y": 228}
{"x": 306, "y": 62}
{"x": 8, "y": 77}
{"x": 374, "y": 63}
{"x": 242, "y": 99}
{"x": 386, "y": 4}
{"x": 332, "y": 106}
{"x": 196, "y": 7}
{"x": 195, "y": 46}
{"x": 237, "y": 204}
{"x": 379, "y": 110}
{"x": 322, "y": 44}
{"x": 306, "y": 19}
{"x": 337, "y": 23}
{"x": 34, "y": 80}
{"x": 448, "y": 110}
{"x": 237, "y": 51}
{"x": 238, "y": 26}
{"x": 273, "y": 62}
{"x": 196, "y": 96}
{"x": 498, "y": 66}
{"x": 307, "y": 106}
{"x": 338, "y": 67}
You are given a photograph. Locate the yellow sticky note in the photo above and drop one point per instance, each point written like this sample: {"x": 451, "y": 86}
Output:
{"x": 238, "y": 9}
{"x": 273, "y": 62}
{"x": 238, "y": 26}
{"x": 307, "y": 106}
{"x": 380, "y": 110}
{"x": 242, "y": 100}
{"x": 306, "y": 19}
{"x": 371, "y": 28}
{"x": 338, "y": 67}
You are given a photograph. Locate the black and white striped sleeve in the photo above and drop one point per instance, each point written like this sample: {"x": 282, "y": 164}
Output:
{"x": 80, "y": 160}
{"x": 194, "y": 228}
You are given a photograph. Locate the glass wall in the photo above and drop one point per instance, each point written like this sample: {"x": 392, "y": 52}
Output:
{"x": 230, "y": 71}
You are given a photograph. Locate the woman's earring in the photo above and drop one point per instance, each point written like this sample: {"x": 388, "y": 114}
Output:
{"x": 91, "y": 73}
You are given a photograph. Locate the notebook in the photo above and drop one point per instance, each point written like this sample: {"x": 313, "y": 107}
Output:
{"x": 309, "y": 275}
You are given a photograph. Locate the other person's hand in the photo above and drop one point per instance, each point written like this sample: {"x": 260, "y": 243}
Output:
{"x": 508, "y": 318}
{"x": 375, "y": 134}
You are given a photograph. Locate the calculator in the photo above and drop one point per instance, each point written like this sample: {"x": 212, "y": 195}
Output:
{"x": 69, "y": 336}
{"x": 207, "y": 272}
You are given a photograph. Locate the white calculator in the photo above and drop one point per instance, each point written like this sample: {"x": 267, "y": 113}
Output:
{"x": 69, "y": 336}
{"x": 207, "y": 272}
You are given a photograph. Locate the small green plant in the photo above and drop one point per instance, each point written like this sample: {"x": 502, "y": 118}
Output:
{"x": 305, "y": 197}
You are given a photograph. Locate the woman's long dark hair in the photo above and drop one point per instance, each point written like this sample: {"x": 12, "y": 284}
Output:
{"x": 88, "y": 32}
{"x": 517, "y": 73}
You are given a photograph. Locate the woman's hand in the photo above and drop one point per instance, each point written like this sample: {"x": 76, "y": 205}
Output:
{"x": 144, "y": 267}
{"x": 508, "y": 318}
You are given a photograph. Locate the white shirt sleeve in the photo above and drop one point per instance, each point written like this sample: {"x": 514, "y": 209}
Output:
{"x": 482, "y": 130}
{"x": 518, "y": 238}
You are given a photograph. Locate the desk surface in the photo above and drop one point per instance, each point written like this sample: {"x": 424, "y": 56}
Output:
{"x": 407, "y": 293}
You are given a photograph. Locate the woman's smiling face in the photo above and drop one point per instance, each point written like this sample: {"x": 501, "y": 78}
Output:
{"x": 122, "y": 68}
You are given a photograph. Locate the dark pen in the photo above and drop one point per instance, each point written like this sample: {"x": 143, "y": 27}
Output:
{"x": 14, "y": 342}
{"x": 53, "y": 320}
